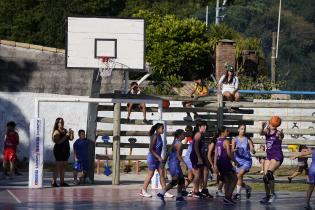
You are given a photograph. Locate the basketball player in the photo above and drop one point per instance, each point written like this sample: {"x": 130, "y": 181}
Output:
{"x": 311, "y": 175}
{"x": 175, "y": 157}
{"x": 274, "y": 157}
{"x": 222, "y": 164}
{"x": 242, "y": 146}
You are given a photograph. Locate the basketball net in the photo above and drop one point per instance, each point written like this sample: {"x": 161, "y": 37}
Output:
{"x": 106, "y": 66}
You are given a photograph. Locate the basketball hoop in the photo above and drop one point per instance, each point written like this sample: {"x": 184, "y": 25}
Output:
{"x": 106, "y": 66}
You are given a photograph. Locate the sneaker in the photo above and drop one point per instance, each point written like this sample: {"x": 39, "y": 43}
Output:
{"x": 219, "y": 194}
{"x": 180, "y": 199}
{"x": 188, "y": 118}
{"x": 198, "y": 195}
{"x": 145, "y": 194}
{"x": 54, "y": 184}
{"x": 261, "y": 172}
{"x": 145, "y": 121}
{"x": 206, "y": 193}
{"x": 76, "y": 182}
{"x": 190, "y": 194}
{"x": 272, "y": 198}
{"x": 64, "y": 184}
{"x": 237, "y": 197}
{"x": 228, "y": 201}
{"x": 161, "y": 196}
{"x": 168, "y": 195}
{"x": 248, "y": 192}
{"x": 184, "y": 193}
{"x": 289, "y": 179}
{"x": 265, "y": 200}
{"x": 308, "y": 206}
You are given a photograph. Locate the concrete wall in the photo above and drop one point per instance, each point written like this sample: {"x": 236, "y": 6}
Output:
{"x": 32, "y": 68}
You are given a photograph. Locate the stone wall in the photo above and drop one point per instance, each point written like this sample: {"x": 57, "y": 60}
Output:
{"x": 32, "y": 68}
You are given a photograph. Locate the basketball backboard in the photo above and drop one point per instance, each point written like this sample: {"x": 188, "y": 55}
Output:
{"x": 90, "y": 38}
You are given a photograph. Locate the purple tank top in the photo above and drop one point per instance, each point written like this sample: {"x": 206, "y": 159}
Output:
{"x": 223, "y": 160}
{"x": 273, "y": 146}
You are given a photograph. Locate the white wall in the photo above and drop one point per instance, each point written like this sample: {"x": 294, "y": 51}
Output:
{"x": 20, "y": 108}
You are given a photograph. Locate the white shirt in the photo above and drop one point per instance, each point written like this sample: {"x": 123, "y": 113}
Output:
{"x": 230, "y": 87}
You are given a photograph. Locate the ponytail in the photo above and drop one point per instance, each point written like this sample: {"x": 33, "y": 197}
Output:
{"x": 154, "y": 128}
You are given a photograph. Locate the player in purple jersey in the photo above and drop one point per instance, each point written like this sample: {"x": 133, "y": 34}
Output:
{"x": 273, "y": 160}
{"x": 222, "y": 164}
{"x": 211, "y": 148}
{"x": 154, "y": 159}
{"x": 242, "y": 146}
{"x": 175, "y": 158}
{"x": 311, "y": 174}
{"x": 197, "y": 158}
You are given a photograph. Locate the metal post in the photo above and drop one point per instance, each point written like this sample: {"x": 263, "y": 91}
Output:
{"x": 278, "y": 32}
{"x": 207, "y": 9}
{"x": 273, "y": 58}
{"x": 217, "y": 11}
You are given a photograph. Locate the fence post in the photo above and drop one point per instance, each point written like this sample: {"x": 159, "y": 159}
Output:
{"x": 116, "y": 145}
{"x": 220, "y": 110}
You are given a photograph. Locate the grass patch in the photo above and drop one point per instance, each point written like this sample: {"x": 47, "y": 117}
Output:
{"x": 293, "y": 187}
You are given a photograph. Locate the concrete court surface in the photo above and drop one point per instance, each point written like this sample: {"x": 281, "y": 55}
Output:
{"x": 14, "y": 194}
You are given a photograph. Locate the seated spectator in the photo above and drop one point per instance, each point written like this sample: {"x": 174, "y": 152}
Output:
{"x": 81, "y": 164}
{"x": 228, "y": 84}
{"x": 135, "y": 90}
{"x": 11, "y": 141}
{"x": 200, "y": 90}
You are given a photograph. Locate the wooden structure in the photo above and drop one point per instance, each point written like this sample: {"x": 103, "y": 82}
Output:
{"x": 216, "y": 115}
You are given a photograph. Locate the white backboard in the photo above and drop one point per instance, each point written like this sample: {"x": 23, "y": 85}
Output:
{"x": 89, "y": 38}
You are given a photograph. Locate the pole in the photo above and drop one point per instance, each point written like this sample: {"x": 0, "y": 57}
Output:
{"x": 278, "y": 32}
{"x": 207, "y": 9}
{"x": 273, "y": 58}
{"x": 217, "y": 11}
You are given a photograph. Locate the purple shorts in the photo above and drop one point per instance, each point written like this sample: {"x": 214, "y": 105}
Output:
{"x": 278, "y": 157}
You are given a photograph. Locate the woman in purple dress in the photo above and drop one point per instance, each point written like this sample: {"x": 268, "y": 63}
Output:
{"x": 273, "y": 160}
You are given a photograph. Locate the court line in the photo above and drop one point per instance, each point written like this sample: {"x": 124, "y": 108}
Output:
{"x": 16, "y": 198}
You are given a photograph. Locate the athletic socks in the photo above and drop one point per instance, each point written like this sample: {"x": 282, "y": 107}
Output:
{"x": 238, "y": 189}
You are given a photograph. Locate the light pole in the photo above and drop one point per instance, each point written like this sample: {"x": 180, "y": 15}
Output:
{"x": 278, "y": 32}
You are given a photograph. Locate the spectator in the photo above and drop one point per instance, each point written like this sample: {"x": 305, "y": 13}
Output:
{"x": 228, "y": 84}
{"x": 200, "y": 90}
{"x": 61, "y": 138}
{"x": 10, "y": 144}
{"x": 135, "y": 90}
{"x": 81, "y": 164}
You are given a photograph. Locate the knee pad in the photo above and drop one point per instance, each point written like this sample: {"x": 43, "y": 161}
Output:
{"x": 270, "y": 175}
{"x": 181, "y": 181}
{"x": 266, "y": 181}
{"x": 173, "y": 183}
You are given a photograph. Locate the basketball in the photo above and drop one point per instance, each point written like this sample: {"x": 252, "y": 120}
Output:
{"x": 275, "y": 121}
{"x": 166, "y": 104}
